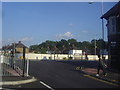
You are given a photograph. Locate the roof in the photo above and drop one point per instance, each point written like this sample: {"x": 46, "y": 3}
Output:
{"x": 114, "y": 11}
{"x": 17, "y": 45}
{"x": 20, "y": 45}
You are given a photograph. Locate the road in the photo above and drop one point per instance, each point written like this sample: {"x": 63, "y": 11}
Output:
{"x": 57, "y": 74}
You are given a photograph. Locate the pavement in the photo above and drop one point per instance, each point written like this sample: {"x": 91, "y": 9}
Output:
{"x": 12, "y": 80}
{"x": 111, "y": 76}
{"x": 17, "y": 81}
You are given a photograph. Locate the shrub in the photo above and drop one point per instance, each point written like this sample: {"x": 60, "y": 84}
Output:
{"x": 64, "y": 58}
{"x": 50, "y": 57}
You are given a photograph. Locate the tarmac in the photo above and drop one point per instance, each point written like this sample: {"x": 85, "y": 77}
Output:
{"x": 16, "y": 81}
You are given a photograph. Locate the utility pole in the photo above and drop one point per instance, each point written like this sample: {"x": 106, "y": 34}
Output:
{"x": 14, "y": 49}
{"x": 54, "y": 51}
{"x": 14, "y": 55}
{"x": 95, "y": 46}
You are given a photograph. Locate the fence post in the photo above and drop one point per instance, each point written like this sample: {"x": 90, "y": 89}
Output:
{"x": 27, "y": 67}
{"x": 23, "y": 61}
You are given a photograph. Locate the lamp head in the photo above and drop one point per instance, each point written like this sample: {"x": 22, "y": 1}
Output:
{"x": 90, "y": 2}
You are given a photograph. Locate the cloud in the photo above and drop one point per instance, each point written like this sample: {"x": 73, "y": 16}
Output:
{"x": 66, "y": 35}
{"x": 70, "y": 24}
{"x": 25, "y": 39}
{"x": 84, "y": 31}
{"x": 10, "y": 40}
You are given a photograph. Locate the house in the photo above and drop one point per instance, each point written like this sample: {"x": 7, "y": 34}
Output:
{"x": 113, "y": 30}
{"x": 18, "y": 47}
{"x": 75, "y": 52}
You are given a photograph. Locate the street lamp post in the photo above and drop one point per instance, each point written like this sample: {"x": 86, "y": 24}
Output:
{"x": 102, "y": 29}
{"x": 102, "y": 25}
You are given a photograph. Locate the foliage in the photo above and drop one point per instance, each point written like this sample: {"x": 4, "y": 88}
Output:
{"x": 63, "y": 46}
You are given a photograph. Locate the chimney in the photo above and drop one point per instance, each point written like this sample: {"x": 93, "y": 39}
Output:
{"x": 19, "y": 42}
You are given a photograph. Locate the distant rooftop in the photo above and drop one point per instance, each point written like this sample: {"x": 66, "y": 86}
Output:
{"x": 16, "y": 45}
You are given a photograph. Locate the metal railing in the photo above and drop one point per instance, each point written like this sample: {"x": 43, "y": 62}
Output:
{"x": 13, "y": 66}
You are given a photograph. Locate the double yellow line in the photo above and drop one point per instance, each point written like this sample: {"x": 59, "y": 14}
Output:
{"x": 102, "y": 80}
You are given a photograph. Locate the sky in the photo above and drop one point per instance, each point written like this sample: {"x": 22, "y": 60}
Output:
{"x": 35, "y": 22}
{"x": 0, "y": 25}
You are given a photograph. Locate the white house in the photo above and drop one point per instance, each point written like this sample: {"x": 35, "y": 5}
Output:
{"x": 75, "y": 52}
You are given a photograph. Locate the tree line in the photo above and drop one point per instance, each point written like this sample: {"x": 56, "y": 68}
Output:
{"x": 63, "y": 46}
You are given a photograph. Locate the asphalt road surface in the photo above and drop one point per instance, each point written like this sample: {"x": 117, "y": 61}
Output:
{"x": 62, "y": 74}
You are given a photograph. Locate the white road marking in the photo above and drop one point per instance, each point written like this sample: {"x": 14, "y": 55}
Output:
{"x": 46, "y": 85}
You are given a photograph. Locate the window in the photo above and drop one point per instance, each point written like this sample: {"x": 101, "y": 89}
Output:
{"x": 112, "y": 25}
{"x": 118, "y": 23}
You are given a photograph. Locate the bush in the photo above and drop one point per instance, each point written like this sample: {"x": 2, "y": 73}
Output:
{"x": 50, "y": 57}
{"x": 70, "y": 57}
{"x": 64, "y": 58}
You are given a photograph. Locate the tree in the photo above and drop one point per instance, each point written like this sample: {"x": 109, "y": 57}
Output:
{"x": 43, "y": 50}
{"x": 63, "y": 46}
{"x": 34, "y": 48}
{"x": 73, "y": 44}
{"x": 72, "y": 41}
{"x": 101, "y": 44}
